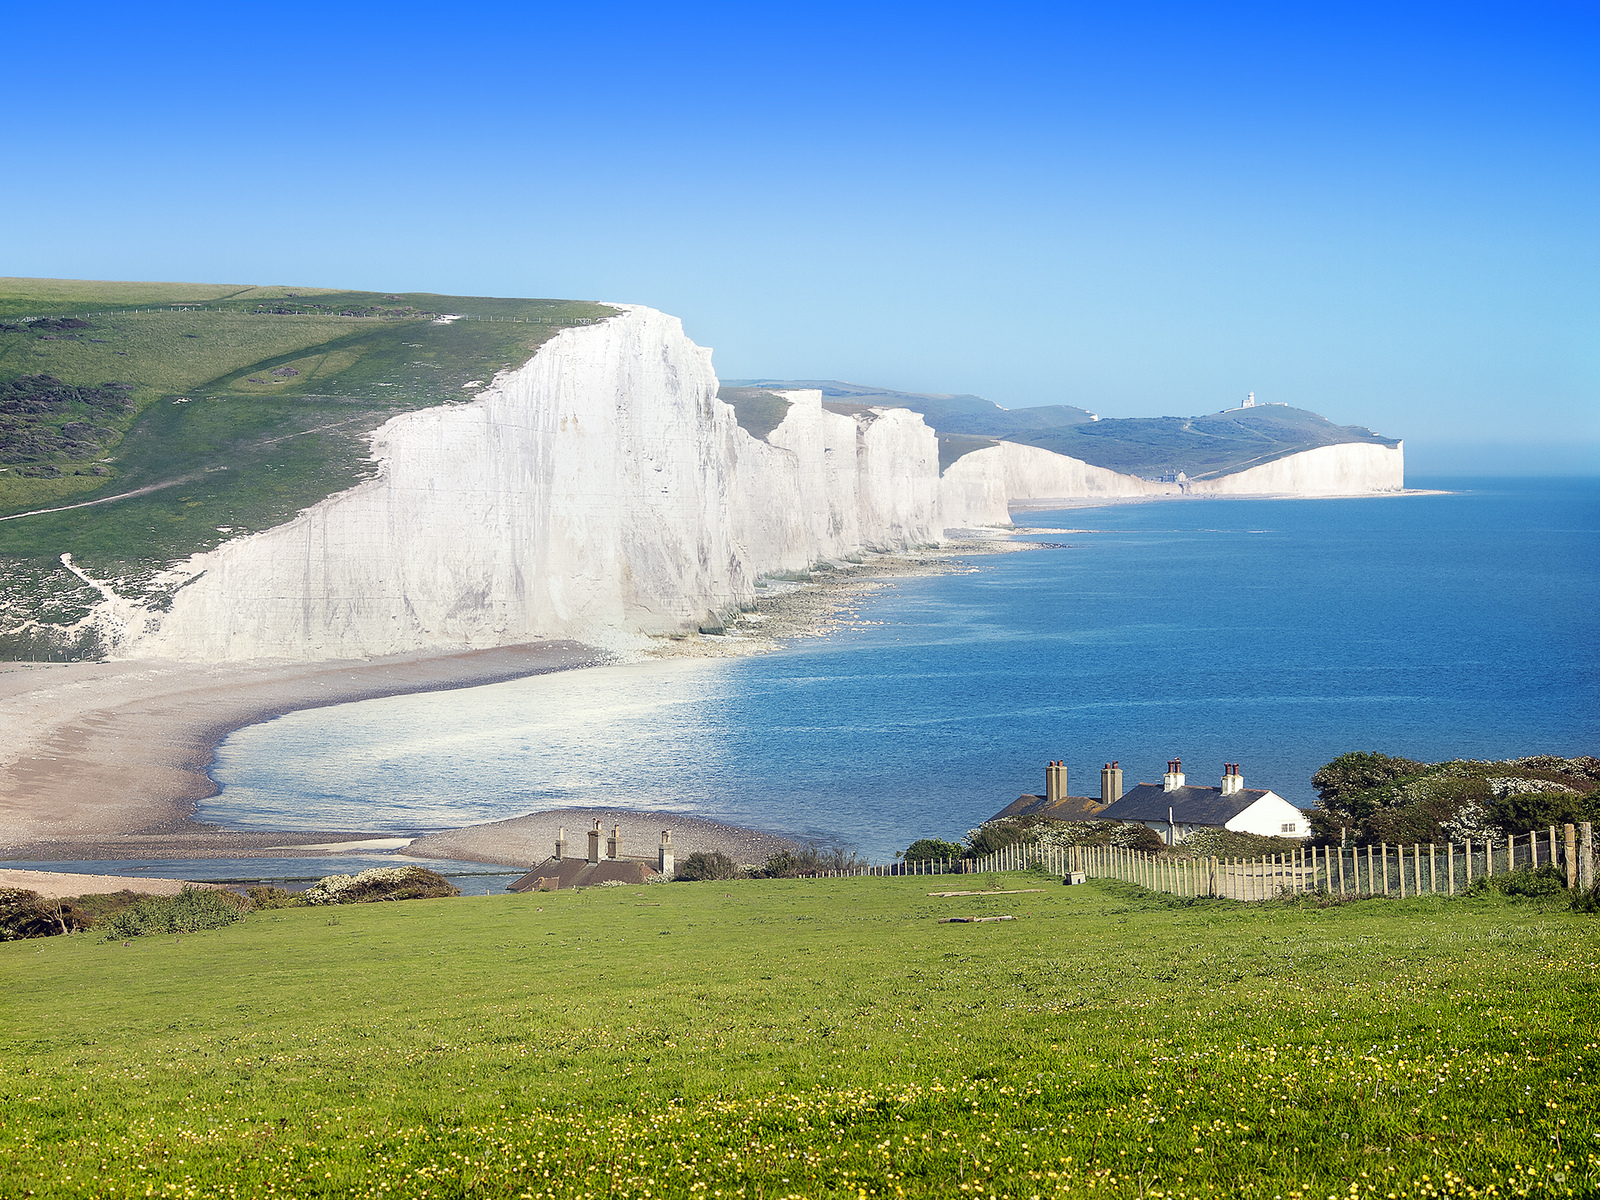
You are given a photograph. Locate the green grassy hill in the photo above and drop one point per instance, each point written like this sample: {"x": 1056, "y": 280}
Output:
{"x": 225, "y": 410}
{"x": 813, "y": 1038}
{"x": 1202, "y": 447}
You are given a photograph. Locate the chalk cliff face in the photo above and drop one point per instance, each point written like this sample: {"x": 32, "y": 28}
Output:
{"x": 1349, "y": 469}
{"x": 602, "y": 492}
{"x": 978, "y": 488}
{"x": 598, "y": 492}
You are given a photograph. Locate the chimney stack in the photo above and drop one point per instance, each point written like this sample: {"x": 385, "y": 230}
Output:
{"x": 664, "y": 862}
{"x": 1110, "y": 783}
{"x": 561, "y": 844}
{"x": 1055, "y": 783}
{"x": 1232, "y": 781}
{"x": 1174, "y": 776}
{"x": 614, "y": 843}
{"x": 594, "y": 843}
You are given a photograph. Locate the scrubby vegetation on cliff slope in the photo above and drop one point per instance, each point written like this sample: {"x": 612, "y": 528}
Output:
{"x": 224, "y": 410}
{"x": 1372, "y": 797}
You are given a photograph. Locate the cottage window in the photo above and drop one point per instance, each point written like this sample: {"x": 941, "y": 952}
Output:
{"x": 1289, "y": 828}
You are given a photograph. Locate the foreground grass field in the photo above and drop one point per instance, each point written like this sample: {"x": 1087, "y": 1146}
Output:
{"x": 812, "y": 1038}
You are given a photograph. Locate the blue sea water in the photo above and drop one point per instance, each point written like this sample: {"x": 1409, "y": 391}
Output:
{"x": 1272, "y": 633}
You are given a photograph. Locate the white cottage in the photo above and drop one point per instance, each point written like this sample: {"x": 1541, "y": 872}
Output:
{"x": 1175, "y": 810}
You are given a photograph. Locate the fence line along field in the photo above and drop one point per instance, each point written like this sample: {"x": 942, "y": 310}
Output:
{"x": 815, "y": 1037}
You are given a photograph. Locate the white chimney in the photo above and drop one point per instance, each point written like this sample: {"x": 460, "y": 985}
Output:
{"x": 1232, "y": 781}
{"x": 1174, "y": 777}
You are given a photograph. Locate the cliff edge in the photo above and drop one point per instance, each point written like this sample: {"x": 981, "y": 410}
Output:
{"x": 602, "y": 492}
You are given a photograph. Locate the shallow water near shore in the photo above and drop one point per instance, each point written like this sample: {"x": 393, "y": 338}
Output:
{"x": 1273, "y": 633}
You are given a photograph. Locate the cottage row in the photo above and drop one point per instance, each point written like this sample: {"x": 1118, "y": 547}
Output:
{"x": 1173, "y": 808}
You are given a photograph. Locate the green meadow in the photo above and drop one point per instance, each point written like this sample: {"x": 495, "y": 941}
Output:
{"x": 813, "y": 1038}
{"x": 244, "y": 407}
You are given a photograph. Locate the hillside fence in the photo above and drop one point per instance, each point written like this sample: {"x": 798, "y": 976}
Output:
{"x": 1417, "y": 869}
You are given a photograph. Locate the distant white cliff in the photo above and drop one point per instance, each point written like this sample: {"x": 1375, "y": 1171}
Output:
{"x": 600, "y": 492}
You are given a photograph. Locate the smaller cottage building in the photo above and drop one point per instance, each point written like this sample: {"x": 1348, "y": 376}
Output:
{"x": 563, "y": 871}
{"x": 1175, "y": 810}
{"x": 1055, "y": 804}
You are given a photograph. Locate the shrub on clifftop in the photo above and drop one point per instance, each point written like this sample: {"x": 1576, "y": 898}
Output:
{"x": 933, "y": 850}
{"x": 706, "y": 865}
{"x": 26, "y": 914}
{"x": 190, "y": 911}
{"x": 379, "y": 884}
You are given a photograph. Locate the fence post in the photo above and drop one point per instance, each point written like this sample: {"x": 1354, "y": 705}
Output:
{"x": 1450, "y": 866}
{"x": 1586, "y": 855}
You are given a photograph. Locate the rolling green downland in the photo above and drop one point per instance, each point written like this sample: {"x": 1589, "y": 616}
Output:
{"x": 239, "y": 407}
{"x": 813, "y": 1038}
{"x": 1202, "y": 447}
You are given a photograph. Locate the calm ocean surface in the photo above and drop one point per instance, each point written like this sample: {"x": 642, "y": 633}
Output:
{"x": 1272, "y": 633}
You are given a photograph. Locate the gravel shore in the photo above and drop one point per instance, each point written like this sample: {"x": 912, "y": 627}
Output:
{"x": 528, "y": 841}
{"x": 110, "y": 760}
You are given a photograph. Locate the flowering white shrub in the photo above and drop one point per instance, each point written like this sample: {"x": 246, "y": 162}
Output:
{"x": 380, "y": 883}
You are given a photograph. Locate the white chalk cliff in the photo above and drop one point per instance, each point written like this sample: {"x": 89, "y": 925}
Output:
{"x": 600, "y": 492}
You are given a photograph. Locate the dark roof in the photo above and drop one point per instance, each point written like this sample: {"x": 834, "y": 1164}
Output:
{"x": 1068, "y": 808}
{"x": 1188, "y": 805}
{"x": 580, "y": 872}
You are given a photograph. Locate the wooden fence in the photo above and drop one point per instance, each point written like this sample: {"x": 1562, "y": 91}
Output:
{"x": 1381, "y": 870}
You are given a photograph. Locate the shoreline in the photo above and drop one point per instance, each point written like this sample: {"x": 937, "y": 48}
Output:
{"x": 111, "y": 760}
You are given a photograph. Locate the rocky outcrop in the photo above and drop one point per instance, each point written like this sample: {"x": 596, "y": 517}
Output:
{"x": 601, "y": 492}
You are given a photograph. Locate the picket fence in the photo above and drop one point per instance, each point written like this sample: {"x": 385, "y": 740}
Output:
{"x": 1383, "y": 870}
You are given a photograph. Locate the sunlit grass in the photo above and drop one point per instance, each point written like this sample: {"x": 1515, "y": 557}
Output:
{"x": 811, "y": 1038}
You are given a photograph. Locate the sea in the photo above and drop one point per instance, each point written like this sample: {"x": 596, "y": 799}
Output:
{"x": 1272, "y": 633}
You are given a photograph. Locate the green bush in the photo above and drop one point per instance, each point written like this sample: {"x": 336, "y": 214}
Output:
{"x": 704, "y": 865}
{"x": 26, "y": 914}
{"x": 1373, "y": 797}
{"x": 1539, "y": 881}
{"x": 190, "y": 911}
{"x": 930, "y": 849}
{"x": 380, "y": 884}
{"x": 1224, "y": 843}
{"x": 1002, "y": 833}
{"x": 1529, "y": 811}
{"x": 793, "y": 864}
{"x": 1586, "y": 900}
{"x": 274, "y": 897}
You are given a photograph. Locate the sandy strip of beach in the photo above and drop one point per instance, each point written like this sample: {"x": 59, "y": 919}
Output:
{"x": 109, "y": 760}
{"x": 55, "y": 885}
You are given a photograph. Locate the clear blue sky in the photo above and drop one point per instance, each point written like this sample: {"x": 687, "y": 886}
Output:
{"x": 1388, "y": 213}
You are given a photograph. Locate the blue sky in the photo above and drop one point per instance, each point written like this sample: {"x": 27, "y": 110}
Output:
{"x": 1388, "y": 213}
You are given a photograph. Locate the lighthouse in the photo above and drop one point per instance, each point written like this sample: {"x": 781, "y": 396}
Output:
{"x": 1250, "y": 400}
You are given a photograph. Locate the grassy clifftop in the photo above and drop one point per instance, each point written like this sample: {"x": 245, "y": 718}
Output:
{"x": 1202, "y": 447}
{"x": 142, "y": 422}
